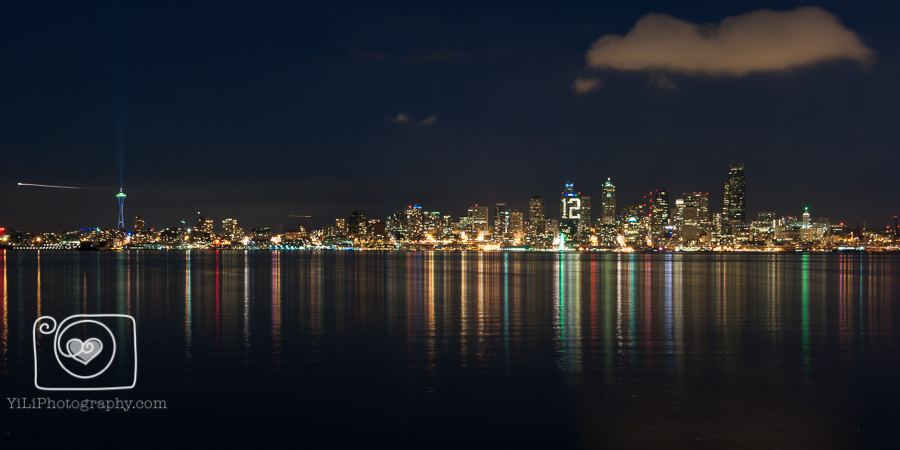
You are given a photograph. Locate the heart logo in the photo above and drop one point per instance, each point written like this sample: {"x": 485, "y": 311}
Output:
{"x": 84, "y": 351}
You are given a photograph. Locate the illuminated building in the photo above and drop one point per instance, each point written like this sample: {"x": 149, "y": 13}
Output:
{"x": 632, "y": 225}
{"x": 764, "y": 228}
{"x": 447, "y": 226}
{"x": 204, "y": 225}
{"x": 694, "y": 218}
{"x": 501, "y": 220}
{"x": 659, "y": 213}
{"x": 570, "y": 213}
{"x": 431, "y": 224}
{"x": 139, "y": 225}
{"x": 608, "y": 203}
{"x": 812, "y": 231}
{"x": 478, "y": 219}
{"x": 377, "y": 227}
{"x": 516, "y": 224}
{"x": 584, "y": 229}
{"x": 340, "y": 226}
{"x": 261, "y": 235}
{"x": 536, "y": 215}
{"x": 408, "y": 224}
{"x": 358, "y": 224}
{"x": 734, "y": 195}
{"x": 678, "y": 215}
{"x": 232, "y": 231}
{"x": 607, "y": 235}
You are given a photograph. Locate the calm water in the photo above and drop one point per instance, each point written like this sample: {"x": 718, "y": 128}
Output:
{"x": 470, "y": 349}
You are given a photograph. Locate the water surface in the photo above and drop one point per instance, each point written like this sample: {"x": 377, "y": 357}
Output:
{"x": 474, "y": 349}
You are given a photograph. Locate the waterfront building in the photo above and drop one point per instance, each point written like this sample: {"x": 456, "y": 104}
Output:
{"x": 357, "y": 226}
{"x": 537, "y": 216}
{"x": 734, "y": 199}
{"x": 501, "y": 220}
{"x": 516, "y": 225}
{"x": 139, "y": 225}
{"x": 608, "y": 202}
{"x": 478, "y": 219}
{"x": 570, "y": 213}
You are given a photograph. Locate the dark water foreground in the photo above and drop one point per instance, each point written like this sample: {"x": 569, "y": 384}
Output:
{"x": 463, "y": 350}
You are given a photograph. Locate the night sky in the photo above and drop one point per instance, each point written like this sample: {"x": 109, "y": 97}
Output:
{"x": 257, "y": 111}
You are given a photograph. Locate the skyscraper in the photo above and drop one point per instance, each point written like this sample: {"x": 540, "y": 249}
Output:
{"x": 695, "y": 217}
{"x": 659, "y": 208}
{"x": 357, "y": 225}
{"x": 570, "y": 212}
{"x": 608, "y": 201}
{"x": 231, "y": 230}
{"x": 536, "y": 215}
{"x": 478, "y": 218}
{"x": 734, "y": 199}
{"x": 501, "y": 220}
{"x": 584, "y": 229}
{"x": 516, "y": 224}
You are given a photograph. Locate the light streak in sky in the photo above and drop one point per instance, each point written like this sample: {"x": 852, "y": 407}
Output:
{"x": 60, "y": 187}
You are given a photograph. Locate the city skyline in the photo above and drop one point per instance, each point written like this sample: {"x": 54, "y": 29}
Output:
{"x": 659, "y": 223}
{"x": 733, "y": 201}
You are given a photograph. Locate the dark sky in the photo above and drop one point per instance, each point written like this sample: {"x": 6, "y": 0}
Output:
{"x": 257, "y": 111}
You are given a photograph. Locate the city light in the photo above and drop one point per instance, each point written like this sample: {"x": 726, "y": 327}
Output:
{"x": 658, "y": 224}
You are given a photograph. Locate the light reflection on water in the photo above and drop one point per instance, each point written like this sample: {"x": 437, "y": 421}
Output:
{"x": 635, "y": 345}
{"x": 4, "y": 334}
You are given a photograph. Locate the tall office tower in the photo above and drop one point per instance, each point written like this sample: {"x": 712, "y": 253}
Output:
{"x": 340, "y": 226}
{"x": 608, "y": 212}
{"x": 516, "y": 224}
{"x": 501, "y": 220}
{"x": 678, "y": 215}
{"x": 659, "y": 210}
{"x": 570, "y": 212}
{"x": 734, "y": 199}
{"x": 695, "y": 217}
{"x": 357, "y": 225}
{"x": 139, "y": 225}
{"x": 478, "y": 219}
{"x": 585, "y": 226}
{"x": 431, "y": 224}
{"x": 407, "y": 224}
{"x": 536, "y": 215}
{"x": 632, "y": 218}
{"x": 415, "y": 223}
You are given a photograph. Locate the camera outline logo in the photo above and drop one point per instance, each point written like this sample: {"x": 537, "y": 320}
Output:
{"x": 82, "y": 351}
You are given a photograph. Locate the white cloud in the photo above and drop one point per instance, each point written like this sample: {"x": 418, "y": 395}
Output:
{"x": 585, "y": 85}
{"x": 758, "y": 41}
